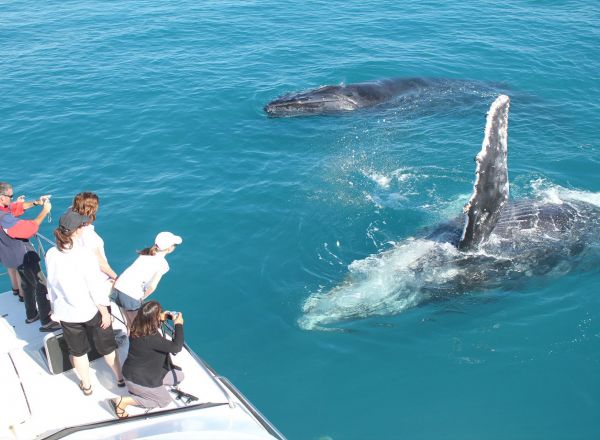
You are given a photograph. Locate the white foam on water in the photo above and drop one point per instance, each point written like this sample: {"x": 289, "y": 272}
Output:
{"x": 385, "y": 179}
{"x": 380, "y": 284}
{"x": 551, "y": 193}
{"x": 380, "y": 179}
{"x": 404, "y": 174}
{"x": 581, "y": 196}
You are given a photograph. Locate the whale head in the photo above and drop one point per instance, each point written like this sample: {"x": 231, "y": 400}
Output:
{"x": 327, "y": 99}
{"x": 413, "y": 272}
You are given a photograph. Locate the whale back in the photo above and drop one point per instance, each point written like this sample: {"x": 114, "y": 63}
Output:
{"x": 490, "y": 191}
{"x": 331, "y": 99}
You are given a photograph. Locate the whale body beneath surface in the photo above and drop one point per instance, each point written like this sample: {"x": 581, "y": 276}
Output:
{"x": 494, "y": 243}
{"x": 333, "y": 99}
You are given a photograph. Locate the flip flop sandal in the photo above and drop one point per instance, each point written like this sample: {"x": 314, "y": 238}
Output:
{"x": 120, "y": 413}
{"x": 86, "y": 391}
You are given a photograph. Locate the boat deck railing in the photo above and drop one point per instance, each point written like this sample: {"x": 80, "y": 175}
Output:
{"x": 39, "y": 248}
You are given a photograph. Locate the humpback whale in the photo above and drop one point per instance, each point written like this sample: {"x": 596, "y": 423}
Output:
{"x": 495, "y": 243}
{"x": 332, "y": 99}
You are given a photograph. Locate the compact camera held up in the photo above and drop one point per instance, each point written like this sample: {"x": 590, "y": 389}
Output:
{"x": 171, "y": 315}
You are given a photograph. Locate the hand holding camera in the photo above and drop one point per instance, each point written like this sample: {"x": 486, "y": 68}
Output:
{"x": 45, "y": 202}
{"x": 171, "y": 315}
{"x": 176, "y": 317}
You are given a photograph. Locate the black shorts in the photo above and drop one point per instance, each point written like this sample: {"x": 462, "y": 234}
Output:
{"x": 78, "y": 334}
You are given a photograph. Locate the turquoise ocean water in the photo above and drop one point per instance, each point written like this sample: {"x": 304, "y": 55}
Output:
{"x": 157, "y": 107}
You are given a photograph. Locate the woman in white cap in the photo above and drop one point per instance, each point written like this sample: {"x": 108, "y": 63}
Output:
{"x": 79, "y": 302}
{"x": 140, "y": 279}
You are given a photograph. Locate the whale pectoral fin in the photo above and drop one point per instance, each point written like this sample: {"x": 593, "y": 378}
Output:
{"x": 490, "y": 192}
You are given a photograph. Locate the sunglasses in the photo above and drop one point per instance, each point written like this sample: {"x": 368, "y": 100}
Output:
{"x": 10, "y": 196}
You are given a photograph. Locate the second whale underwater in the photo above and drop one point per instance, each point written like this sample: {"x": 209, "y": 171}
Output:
{"x": 495, "y": 242}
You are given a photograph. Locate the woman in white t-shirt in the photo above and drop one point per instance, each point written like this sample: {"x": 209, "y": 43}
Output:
{"x": 87, "y": 203}
{"x": 79, "y": 301}
{"x": 140, "y": 279}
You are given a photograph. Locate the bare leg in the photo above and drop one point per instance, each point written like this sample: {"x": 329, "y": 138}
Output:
{"x": 122, "y": 403}
{"x": 82, "y": 367}
{"x": 112, "y": 359}
{"x": 15, "y": 281}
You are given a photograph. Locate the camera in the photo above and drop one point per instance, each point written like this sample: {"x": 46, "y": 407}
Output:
{"x": 171, "y": 315}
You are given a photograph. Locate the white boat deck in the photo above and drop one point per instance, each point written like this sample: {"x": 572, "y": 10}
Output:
{"x": 38, "y": 404}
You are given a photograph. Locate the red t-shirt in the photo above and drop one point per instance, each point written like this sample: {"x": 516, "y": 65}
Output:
{"x": 17, "y": 228}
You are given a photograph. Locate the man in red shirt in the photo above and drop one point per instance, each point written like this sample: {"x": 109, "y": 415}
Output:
{"x": 17, "y": 252}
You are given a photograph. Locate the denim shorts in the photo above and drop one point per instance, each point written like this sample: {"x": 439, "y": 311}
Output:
{"x": 125, "y": 301}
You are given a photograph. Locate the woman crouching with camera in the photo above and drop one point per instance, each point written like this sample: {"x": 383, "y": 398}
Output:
{"x": 148, "y": 367}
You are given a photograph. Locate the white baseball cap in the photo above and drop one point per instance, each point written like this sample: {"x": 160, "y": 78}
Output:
{"x": 165, "y": 240}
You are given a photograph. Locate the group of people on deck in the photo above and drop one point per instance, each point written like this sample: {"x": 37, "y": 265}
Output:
{"x": 78, "y": 291}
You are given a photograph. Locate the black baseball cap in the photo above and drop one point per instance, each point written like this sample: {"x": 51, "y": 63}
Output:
{"x": 71, "y": 220}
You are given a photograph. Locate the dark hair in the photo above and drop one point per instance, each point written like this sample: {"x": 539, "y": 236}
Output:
{"x": 147, "y": 321}
{"x": 64, "y": 238}
{"x": 86, "y": 203}
{"x": 152, "y": 250}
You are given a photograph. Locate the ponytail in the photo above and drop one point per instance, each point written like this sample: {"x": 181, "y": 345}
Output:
{"x": 64, "y": 239}
{"x": 151, "y": 251}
